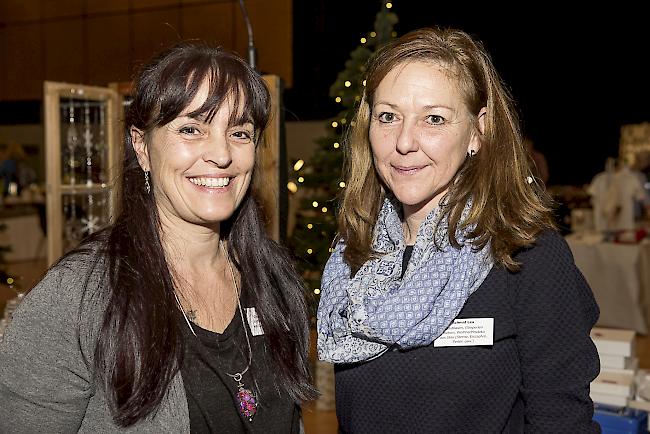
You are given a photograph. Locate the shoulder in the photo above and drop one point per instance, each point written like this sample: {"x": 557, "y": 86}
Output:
{"x": 547, "y": 269}
{"x": 549, "y": 251}
{"x": 66, "y": 308}
{"x": 85, "y": 265}
{"x": 70, "y": 284}
{"x": 548, "y": 274}
{"x": 47, "y": 351}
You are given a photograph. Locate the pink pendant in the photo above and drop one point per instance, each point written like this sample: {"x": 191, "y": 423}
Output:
{"x": 246, "y": 403}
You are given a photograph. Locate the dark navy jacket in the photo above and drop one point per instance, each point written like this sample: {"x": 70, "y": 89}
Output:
{"x": 535, "y": 378}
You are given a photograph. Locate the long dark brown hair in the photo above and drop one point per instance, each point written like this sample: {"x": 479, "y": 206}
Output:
{"x": 507, "y": 209}
{"x": 139, "y": 349}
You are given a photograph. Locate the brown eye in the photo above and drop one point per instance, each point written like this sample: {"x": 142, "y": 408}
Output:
{"x": 242, "y": 135}
{"x": 189, "y": 130}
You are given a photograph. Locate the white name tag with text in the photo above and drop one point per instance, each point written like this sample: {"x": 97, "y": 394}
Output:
{"x": 467, "y": 332}
{"x": 254, "y": 322}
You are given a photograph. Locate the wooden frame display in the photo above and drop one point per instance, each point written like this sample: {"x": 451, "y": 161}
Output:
{"x": 269, "y": 165}
{"x": 81, "y": 150}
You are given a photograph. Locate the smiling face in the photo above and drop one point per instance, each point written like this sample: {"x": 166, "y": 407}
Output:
{"x": 420, "y": 134}
{"x": 201, "y": 170}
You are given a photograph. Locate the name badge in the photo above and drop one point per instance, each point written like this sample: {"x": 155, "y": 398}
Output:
{"x": 467, "y": 332}
{"x": 254, "y": 322}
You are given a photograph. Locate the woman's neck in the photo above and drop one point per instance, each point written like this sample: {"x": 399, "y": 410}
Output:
{"x": 414, "y": 215}
{"x": 410, "y": 227}
{"x": 189, "y": 246}
{"x": 203, "y": 278}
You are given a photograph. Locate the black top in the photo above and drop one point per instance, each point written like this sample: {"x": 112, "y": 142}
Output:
{"x": 534, "y": 378}
{"x": 408, "y": 252}
{"x": 211, "y": 392}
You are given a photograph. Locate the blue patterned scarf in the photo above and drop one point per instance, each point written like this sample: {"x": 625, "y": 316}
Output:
{"x": 359, "y": 318}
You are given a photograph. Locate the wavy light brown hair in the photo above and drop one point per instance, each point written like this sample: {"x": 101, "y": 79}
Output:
{"x": 507, "y": 210}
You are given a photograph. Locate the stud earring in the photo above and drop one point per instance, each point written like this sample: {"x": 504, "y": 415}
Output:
{"x": 147, "y": 186}
{"x": 471, "y": 153}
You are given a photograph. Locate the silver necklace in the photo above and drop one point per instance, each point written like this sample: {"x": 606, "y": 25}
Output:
{"x": 246, "y": 400}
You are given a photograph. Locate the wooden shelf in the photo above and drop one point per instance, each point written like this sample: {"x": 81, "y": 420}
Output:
{"x": 85, "y": 188}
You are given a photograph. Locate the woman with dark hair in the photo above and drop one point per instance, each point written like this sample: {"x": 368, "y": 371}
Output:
{"x": 450, "y": 304}
{"x": 183, "y": 315}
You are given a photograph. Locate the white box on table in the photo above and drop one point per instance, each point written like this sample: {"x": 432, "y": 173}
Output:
{"x": 630, "y": 369}
{"x": 612, "y": 383}
{"x": 618, "y": 342}
{"x": 608, "y": 361}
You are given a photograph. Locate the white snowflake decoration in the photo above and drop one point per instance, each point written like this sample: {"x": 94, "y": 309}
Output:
{"x": 90, "y": 224}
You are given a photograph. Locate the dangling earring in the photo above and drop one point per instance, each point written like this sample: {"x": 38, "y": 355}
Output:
{"x": 147, "y": 186}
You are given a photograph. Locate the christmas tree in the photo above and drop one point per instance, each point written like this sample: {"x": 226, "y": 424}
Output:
{"x": 320, "y": 180}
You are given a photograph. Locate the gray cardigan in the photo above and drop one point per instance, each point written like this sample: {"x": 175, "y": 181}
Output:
{"x": 46, "y": 361}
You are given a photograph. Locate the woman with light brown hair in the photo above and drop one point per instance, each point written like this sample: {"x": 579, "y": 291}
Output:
{"x": 450, "y": 303}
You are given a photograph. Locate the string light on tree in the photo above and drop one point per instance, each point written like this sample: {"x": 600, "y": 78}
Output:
{"x": 301, "y": 179}
{"x": 292, "y": 187}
